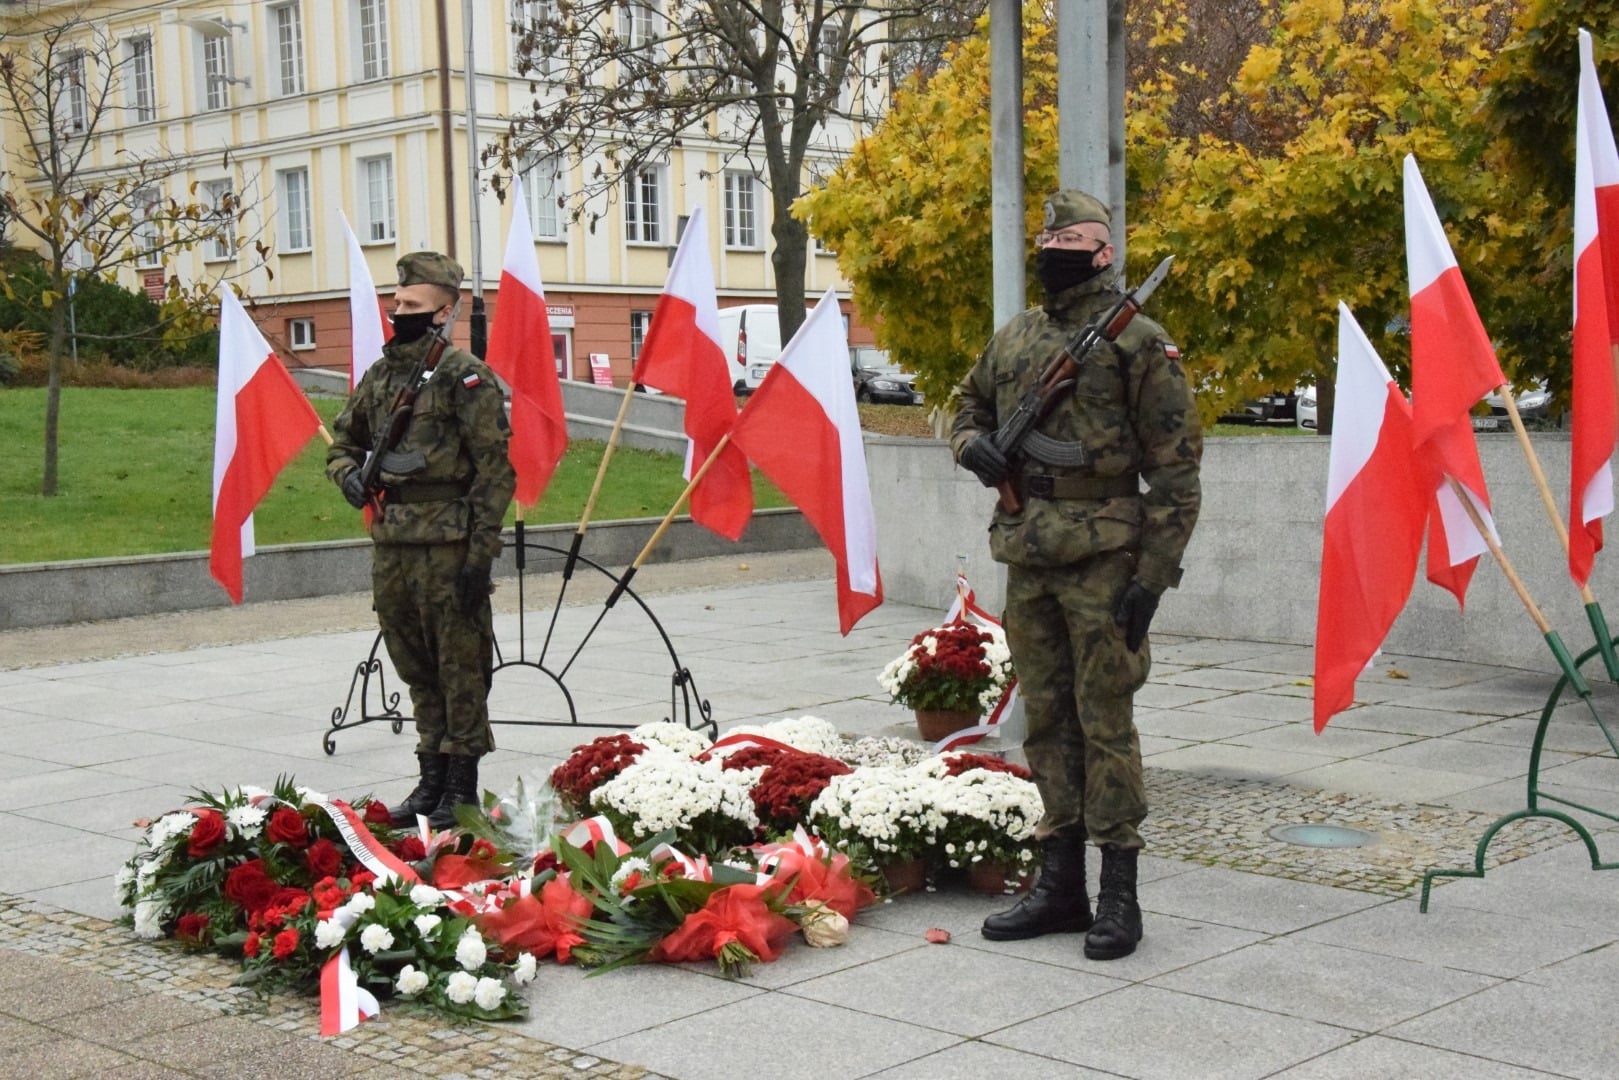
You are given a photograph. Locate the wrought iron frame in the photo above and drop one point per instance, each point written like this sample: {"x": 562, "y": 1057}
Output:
{"x": 1535, "y": 796}
{"x": 683, "y": 693}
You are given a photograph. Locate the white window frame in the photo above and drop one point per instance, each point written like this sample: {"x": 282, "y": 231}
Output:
{"x": 640, "y": 326}
{"x": 543, "y": 186}
{"x": 638, "y": 22}
{"x": 535, "y": 12}
{"x": 371, "y": 39}
{"x": 216, "y": 71}
{"x": 218, "y": 249}
{"x": 147, "y": 233}
{"x": 297, "y": 225}
{"x": 741, "y": 210}
{"x": 644, "y": 206}
{"x": 287, "y": 37}
{"x": 75, "y": 96}
{"x": 141, "y": 88}
{"x": 300, "y": 334}
{"x": 377, "y": 199}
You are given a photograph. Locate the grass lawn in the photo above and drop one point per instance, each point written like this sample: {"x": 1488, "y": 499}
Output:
{"x": 135, "y": 476}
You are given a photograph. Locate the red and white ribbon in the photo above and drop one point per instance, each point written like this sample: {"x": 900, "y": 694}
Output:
{"x": 693, "y": 869}
{"x": 343, "y": 1001}
{"x": 741, "y": 740}
{"x": 586, "y": 834}
{"x": 370, "y": 851}
{"x": 965, "y": 609}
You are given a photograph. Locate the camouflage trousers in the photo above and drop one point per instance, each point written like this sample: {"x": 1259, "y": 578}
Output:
{"x": 446, "y": 658}
{"x": 1077, "y": 680}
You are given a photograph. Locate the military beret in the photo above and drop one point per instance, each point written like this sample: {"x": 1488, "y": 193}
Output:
{"x": 430, "y": 268}
{"x": 1071, "y": 206}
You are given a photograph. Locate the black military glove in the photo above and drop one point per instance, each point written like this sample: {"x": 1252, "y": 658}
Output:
{"x": 471, "y": 586}
{"x": 985, "y": 461}
{"x": 353, "y": 489}
{"x": 1133, "y": 614}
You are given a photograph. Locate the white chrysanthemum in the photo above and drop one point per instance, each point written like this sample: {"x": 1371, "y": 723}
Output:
{"x": 810, "y": 734}
{"x": 470, "y": 951}
{"x": 169, "y": 826}
{"x": 122, "y": 880}
{"x": 633, "y": 865}
{"x": 425, "y": 896}
{"x": 461, "y": 987}
{"x": 411, "y": 982}
{"x": 375, "y": 938}
{"x": 677, "y": 737}
{"x": 310, "y": 795}
{"x": 884, "y": 750}
{"x": 149, "y": 916}
{"x": 526, "y": 969}
{"x": 248, "y": 792}
{"x": 426, "y": 924}
{"x": 329, "y": 934}
{"x": 247, "y": 820}
{"x": 661, "y": 791}
{"x": 489, "y": 993}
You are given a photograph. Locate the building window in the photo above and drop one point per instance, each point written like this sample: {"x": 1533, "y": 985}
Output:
{"x": 141, "y": 87}
{"x": 288, "y": 22}
{"x": 301, "y": 333}
{"x": 148, "y": 230}
{"x": 372, "y": 16}
{"x": 640, "y": 323}
{"x": 827, "y": 54}
{"x": 75, "y": 99}
{"x": 741, "y": 214}
{"x": 544, "y": 27}
{"x": 295, "y": 222}
{"x": 636, "y": 21}
{"x": 216, "y": 70}
{"x": 542, "y": 183}
{"x": 643, "y": 210}
{"x": 377, "y": 197}
{"x": 222, "y": 244}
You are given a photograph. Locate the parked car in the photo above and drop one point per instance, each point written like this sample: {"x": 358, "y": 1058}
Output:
{"x": 750, "y": 335}
{"x": 1277, "y": 407}
{"x": 1534, "y": 406}
{"x": 1306, "y": 407}
{"x": 878, "y": 379}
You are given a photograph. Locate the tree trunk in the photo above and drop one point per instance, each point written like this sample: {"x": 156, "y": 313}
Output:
{"x": 792, "y": 242}
{"x": 53, "y": 392}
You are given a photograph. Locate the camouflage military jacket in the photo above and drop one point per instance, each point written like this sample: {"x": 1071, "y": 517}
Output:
{"x": 1131, "y": 409}
{"x": 459, "y": 426}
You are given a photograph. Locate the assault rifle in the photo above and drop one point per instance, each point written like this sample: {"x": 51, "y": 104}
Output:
{"x": 1060, "y": 375}
{"x": 383, "y": 454}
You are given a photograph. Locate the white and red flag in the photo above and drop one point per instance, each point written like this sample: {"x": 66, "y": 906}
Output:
{"x": 368, "y": 331}
{"x": 1377, "y": 505}
{"x": 261, "y": 421}
{"x": 1595, "y": 398}
{"x": 802, "y": 429}
{"x": 1453, "y": 367}
{"x": 966, "y": 609}
{"x": 520, "y": 352}
{"x": 682, "y": 356}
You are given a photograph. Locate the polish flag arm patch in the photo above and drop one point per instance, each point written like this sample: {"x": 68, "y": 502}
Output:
{"x": 1172, "y": 350}
{"x": 469, "y": 381}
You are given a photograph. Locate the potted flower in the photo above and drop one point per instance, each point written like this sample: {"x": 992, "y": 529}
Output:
{"x": 950, "y": 675}
{"x": 885, "y": 817}
{"x": 990, "y": 810}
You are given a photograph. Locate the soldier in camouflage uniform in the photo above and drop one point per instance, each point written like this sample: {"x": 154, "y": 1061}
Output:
{"x": 439, "y": 531}
{"x": 1087, "y": 558}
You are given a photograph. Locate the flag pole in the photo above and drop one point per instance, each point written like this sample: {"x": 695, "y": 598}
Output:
{"x": 327, "y": 435}
{"x": 1593, "y": 610}
{"x": 1553, "y": 641}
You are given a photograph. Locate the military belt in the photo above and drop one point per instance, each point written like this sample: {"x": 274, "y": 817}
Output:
{"x": 1039, "y": 486}
{"x": 448, "y": 491}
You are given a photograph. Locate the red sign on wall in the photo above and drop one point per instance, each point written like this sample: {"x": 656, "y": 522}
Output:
{"x": 601, "y": 369}
{"x": 155, "y": 284}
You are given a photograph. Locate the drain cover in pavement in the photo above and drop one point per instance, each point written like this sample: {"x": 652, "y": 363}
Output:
{"x": 1324, "y": 836}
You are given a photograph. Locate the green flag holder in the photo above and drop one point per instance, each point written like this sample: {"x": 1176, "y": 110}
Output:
{"x": 1569, "y": 679}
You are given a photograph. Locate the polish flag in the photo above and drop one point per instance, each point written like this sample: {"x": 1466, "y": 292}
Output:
{"x": 261, "y": 421}
{"x": 682, "y": 356}
{"x": 520, "y": 353}
{"x": 343, "y": 1001}
{"x": 368, "y": 330}
{"x": 1377, "y": 504}
{"x": 1596, "y": 302}
{"x": 802, "y": 429}
{"x": 1453, "y": 367}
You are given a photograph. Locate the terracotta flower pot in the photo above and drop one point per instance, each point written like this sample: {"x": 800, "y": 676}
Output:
{"x": 935, "y": 724}
{"x": 996, "y": 879}
{"x": 905, "y": 876}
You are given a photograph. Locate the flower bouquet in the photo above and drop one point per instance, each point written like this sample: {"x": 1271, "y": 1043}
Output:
{"x": 961, "y": 668}
{"x": 990, "y": 811}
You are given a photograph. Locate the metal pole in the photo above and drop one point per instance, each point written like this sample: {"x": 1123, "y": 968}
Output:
{"x": 1116, "y": 75}
{"x": 478, "y": 325}
{"x": 1007, "y": 239}
{"x": 1082, "y": 96}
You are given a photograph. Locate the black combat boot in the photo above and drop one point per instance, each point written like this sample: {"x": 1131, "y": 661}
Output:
{"x": 1056, "y": 905}
{"x": 424, "y": 799}
{"x": 460, "y": 786}
{"x": 1118, "y": 916}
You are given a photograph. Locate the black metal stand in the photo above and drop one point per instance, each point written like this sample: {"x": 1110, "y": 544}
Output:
{"x": 684, "y": 699}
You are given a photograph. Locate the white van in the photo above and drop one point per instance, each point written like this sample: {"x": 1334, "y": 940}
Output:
{"x": 750, "y": 335}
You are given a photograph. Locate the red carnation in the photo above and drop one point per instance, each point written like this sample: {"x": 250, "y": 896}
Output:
{"x": 376, "y": 813}
{"x": 250, "y": 885}
{"x": 250, "y": 947}
{"x": 323, "y": 859}
{"x": 286, "y": 943}
{"x": 206, "y": 834}
{"x": 410, "y": 849}
{"x": 287, "y": 827}
{"x": 546, "y": 860}
{"x": 192, "y": 929}
{"x": 328, "y": 894}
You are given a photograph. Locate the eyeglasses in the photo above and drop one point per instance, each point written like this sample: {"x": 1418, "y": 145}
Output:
{"x": 1067, "y": 240}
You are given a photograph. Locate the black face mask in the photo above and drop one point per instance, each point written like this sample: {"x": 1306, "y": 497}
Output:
{"x": 1063, "y": 268}
{"x": 412, "y": 327}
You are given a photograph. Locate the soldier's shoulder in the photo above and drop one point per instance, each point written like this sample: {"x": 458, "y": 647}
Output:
{"x": 460, "y": 364}
{"x": 1143, "y": 333}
